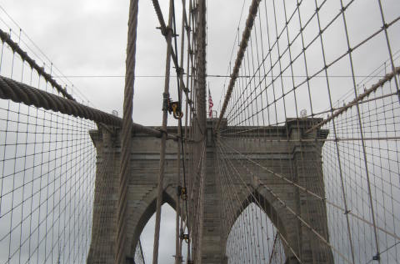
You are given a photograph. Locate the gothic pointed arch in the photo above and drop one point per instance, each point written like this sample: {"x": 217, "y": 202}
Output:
{"x": 146, "y": 207}
{"x": 274, "y": 214}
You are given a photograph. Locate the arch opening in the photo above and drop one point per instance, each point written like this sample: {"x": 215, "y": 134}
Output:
{"x": 253, "y": 238}
{"x": 143, "y": 239}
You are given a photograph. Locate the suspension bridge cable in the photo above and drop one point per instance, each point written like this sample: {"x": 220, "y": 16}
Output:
{"x": 306, "y": 168}
{"x": 238, "y": 62}
{"x": 22, "y": 93}
{"x": 126, "y": 135}
{"x": 267, "y": 99}
{"x": 164, "y": 32}
{"x": 160, "y": 183}
{"x": 40, "y": 70}
{"x": 239, "y": 181}
{"x": 359, "y": 98}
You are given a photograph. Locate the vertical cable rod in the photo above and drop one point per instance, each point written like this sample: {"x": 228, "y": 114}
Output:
{"x": 126, "y": 134}
{"x": 160, "y": 183}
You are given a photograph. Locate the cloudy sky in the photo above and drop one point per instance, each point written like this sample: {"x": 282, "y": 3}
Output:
{"x": 86, "y": 40}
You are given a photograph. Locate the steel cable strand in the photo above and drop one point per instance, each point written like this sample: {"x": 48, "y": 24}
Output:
{"x": 230, "y": 181}
{"x": 22, "y": 93}
{"x": 32, "y": 63}
{"x": 181, "y": 154}
{"x": 164, "y": 31}
{"x": 357, "y": 99}
{"x": 201, "y": 113}
{"x": 243, "y": 45}
{"x": 160, "y": 184}
{"x": 230, "y": 198}
{"x": 236, "y": 172}
{"x": 126, "y": 134}
{"x": 195, "y": 198}
{"x": 385, "y": 28}
{"x": 292, "y": 211}
{"x": 328, "y": 65}
{"x": 361, "y": 132}
{"x": 314, "y": 254}
{"x": 307, "y": 191}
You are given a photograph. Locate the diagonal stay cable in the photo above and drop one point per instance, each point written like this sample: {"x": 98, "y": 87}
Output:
{"x": 236, "y": 172}
{"x": 164, "y": 31}
{"x": 240, "y": 55}
{"x": 284, "y": 204}
{"x": 311, "y": 193}
{"x": 359, "y": 98}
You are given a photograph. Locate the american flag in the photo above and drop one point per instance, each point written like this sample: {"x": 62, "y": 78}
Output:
{"x": 210, "y": 104}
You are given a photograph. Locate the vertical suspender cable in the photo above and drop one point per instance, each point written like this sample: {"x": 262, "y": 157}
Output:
{"x": 178, "y": 258}
{"x": 201, "y": 117}
{"x": 126, "y": 133}
{"x": 361, "y": 131}
{"x": 164, "y": 137}
{"x": 178, "y": 255}
{"x": 188, "y": 133}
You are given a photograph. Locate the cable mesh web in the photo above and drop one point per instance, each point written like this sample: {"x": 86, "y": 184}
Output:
{"x": 306, "y": 61}
{"x": 380, "y": 121}
{"x": 47, "y": 164}
{"x": 48, "y": 168}
{"x": 319, "y": 67}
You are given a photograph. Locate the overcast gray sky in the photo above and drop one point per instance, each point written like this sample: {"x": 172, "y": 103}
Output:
{"x": 88, "y": 38}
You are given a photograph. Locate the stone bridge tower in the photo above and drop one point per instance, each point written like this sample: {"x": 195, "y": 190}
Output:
{"x": 301, "y": 165}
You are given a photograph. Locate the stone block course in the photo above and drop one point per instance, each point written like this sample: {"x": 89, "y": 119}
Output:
{"x": 300, "y": 163}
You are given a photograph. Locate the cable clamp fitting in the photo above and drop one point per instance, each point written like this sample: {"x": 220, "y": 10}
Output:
{"x": 166, "y": 30}
{"x": 184, "y": 236}
{"x": 163, "y": 132}
{"x": 182, "y": 192}
{"x": 179, "y": 71}
{"x": 175, "y": 109}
